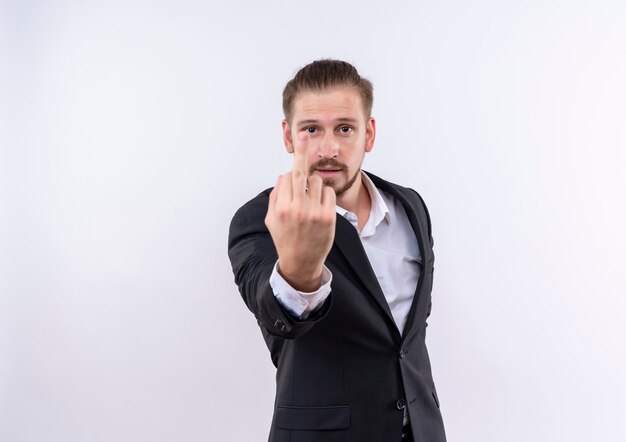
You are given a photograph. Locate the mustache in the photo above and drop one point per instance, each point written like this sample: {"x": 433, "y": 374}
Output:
{"x": 328, "y": 162}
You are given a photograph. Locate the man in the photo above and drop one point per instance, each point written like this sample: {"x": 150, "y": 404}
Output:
{"x": 337, "y": 265}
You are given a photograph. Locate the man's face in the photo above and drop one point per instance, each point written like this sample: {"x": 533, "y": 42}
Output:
{"x": 339, "y": 134}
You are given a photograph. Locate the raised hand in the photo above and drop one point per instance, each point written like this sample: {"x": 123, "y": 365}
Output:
{"x": 301, "y": 219}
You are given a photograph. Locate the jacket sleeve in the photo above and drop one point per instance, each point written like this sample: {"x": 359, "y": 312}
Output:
{"x": 432, "y": 243}
{"x": 430, "y": 228}
{"x": 253, "y": 255}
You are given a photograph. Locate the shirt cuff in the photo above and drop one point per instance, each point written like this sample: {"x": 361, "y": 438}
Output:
{"x": 297, "y": 303}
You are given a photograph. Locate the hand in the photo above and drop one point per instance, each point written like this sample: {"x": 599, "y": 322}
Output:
{"x": 301, "y": 219}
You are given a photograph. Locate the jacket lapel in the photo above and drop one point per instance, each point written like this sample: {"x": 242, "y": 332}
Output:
{"x": 410, "y": 211}
{"x": 420, "y": 234}
{"x": 348, "y": 242}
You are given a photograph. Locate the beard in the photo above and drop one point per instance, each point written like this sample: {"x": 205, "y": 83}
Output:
{"x": 331, "y": 182}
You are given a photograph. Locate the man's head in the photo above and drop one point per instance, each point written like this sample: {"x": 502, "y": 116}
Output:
{"x": 322, "y": 75}
{"x": 332, "y": 103}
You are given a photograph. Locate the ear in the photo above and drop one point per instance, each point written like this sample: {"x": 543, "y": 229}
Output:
{"x": 287, "y": 136}
{"x": 370, "y": 134}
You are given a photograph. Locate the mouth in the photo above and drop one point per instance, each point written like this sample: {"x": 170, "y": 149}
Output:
{"x": 328, "y": 172}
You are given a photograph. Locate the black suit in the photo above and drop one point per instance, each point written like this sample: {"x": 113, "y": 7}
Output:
{"x": 346, "y": 372}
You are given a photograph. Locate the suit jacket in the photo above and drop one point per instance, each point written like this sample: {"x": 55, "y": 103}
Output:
{"x": 345, "y": 373}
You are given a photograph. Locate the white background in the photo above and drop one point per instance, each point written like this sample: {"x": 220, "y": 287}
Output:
{"x": 131, "y": 131}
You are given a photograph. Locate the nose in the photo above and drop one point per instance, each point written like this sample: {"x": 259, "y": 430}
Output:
{"x": 329, "y": 146}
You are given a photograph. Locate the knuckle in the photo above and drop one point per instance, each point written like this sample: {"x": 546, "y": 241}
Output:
{"x": 280, "y": 212}
{"x": 314, "y": 180}
{"x": 298, "y": 214}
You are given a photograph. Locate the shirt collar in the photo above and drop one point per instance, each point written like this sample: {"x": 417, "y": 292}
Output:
{"x": 378, "y": 212}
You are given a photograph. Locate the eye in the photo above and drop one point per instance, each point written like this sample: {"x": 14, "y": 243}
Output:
{"x": 345, "y": 129}
{"x": 310, "y": 129}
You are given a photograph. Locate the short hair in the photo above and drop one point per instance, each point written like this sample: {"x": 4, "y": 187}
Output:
{"x": 325, "y": 74}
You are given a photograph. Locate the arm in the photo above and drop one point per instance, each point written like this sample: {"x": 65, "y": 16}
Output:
{"x": 253, "y": 255}
{"x": 298, "y": 229}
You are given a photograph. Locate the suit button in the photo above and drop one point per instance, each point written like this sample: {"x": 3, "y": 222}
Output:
{"x": 280, "y": 325}
{"x": 401, "y": 404}
{"x": 403, "y": 353}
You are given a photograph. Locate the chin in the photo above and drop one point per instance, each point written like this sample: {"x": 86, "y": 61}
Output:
{"x": 341, "y": 183}
{"x": 342, "y": 187}
{"x": 330, "y": 182}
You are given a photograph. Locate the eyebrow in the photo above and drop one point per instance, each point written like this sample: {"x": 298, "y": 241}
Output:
{"x": 339, "y": 120}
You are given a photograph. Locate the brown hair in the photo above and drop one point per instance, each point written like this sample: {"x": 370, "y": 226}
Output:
{"x": 325, "y": 74}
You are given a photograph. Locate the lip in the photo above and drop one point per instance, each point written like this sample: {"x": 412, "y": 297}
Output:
{"x": 327, "y": 172}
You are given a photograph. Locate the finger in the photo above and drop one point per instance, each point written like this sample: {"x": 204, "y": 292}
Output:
{"x": 314, "y": 192}
{"x": 284, "y": 189}
{"x": 271, "y": 206}
{"x": 274, "y": 193}
{"x": 300, "y": 169}
{"x": 329, "y": 199}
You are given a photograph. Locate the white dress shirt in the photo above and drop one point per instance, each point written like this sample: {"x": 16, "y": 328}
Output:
{"x": 392, "y": 249}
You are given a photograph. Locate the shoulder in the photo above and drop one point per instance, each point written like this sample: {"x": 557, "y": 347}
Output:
{"x": 249, "y": 219}
{"x": 396, "y": 189}
{"x": 407, "y": 194}
{"x": 253, "y": 207}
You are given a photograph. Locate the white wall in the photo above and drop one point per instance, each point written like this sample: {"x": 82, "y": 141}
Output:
{"x": 132, "y": 130}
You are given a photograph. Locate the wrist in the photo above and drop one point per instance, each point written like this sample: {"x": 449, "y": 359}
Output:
{"x": 301, "y": 279}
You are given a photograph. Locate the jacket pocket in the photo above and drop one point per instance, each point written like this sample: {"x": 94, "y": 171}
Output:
{"x": 336, "y": 417}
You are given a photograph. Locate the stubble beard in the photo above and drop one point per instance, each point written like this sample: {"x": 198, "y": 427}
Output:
{"x": 332, "y": 182}
{"x": 341, "y": 189}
